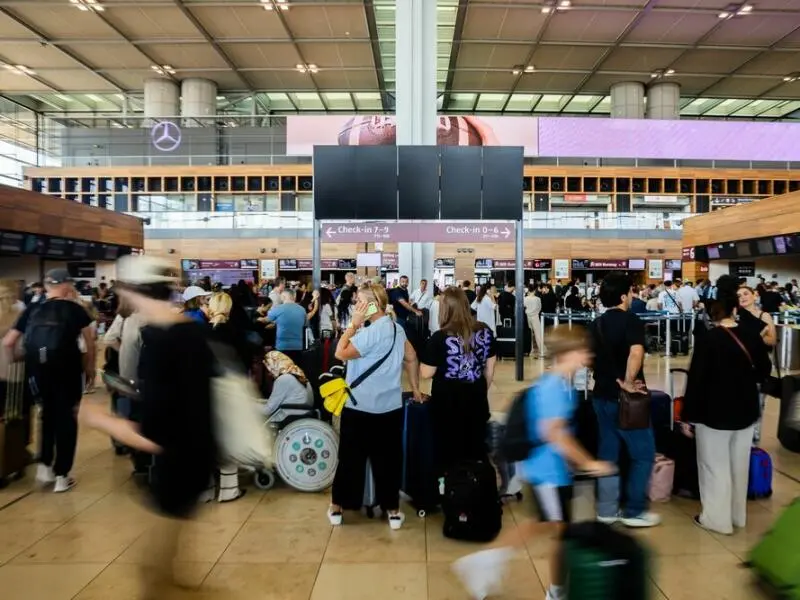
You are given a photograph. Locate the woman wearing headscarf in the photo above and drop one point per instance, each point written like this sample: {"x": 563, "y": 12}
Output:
{"x": 290, "y": 386}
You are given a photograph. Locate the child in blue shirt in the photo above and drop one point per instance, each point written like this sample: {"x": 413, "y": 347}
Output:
{"x": 549, "y": 405}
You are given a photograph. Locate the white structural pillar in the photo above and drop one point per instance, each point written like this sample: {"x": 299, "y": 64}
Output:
{"x": 198, "y": 101}
{"x": 664, "y": 100}
{"x": 415, "y": 41}
{"x": 627, "y": 100}
{"x": 161, "y": 100}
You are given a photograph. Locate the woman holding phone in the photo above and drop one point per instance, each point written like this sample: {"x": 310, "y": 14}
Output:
{"x": 372, "y": 420}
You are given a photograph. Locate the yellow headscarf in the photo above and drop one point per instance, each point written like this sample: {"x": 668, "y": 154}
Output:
{"x": 278, "y": 364}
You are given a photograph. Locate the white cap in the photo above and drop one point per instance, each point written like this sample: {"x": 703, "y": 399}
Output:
{"x": 194, "y": 291}
{"x": 142, "y": 270}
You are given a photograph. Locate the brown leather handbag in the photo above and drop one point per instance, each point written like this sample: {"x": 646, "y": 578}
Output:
{"x": 634, "y": 407}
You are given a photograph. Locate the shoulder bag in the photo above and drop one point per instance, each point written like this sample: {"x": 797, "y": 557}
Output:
{"x": 634, "y": 407}
{"x": 335, "y": 391}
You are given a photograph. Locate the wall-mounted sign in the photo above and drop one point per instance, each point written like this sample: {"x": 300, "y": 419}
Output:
{"x": 688, "y": 253}
{"x": 268, "y": 270}
{"x": 673, "y": 264}
{"x": 636, "y": 264}
{"x": 730, "y": 200}
{"x": 198, "y": 265}
{"x": 562, "y": 268}
{"x": 585, "y": 264}
{"x": 655, "y": 268}
{"x": 471, "y": 232}
{"x": 444, "y": 263}
{"x": 391, "y": 260}
{"x": 484, "y": 263}
{"x": 534, "y": 264}
{"x": 742, "y": 269}
{"x": 166, "y": 136}
{"x": 295, "y": 264}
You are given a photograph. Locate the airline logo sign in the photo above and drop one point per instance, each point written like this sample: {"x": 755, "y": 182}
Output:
{"x": 473, "y": 232}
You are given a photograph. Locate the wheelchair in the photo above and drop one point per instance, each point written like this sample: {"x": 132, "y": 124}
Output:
{"x": 306, "y": 451}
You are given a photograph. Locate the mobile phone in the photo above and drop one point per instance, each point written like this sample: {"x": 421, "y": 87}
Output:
{"x": 372, "y": 308}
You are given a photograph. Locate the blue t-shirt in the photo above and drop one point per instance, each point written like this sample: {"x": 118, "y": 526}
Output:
{"x": 290, "y": 320}
{"x": 382, "y": 391}
{"x": 550, "y": 398}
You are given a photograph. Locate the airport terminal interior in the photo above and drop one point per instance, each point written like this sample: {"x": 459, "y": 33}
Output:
{"x": 505, "y": 144}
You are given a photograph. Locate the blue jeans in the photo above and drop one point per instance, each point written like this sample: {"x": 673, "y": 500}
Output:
{"x": 641, "y": 447}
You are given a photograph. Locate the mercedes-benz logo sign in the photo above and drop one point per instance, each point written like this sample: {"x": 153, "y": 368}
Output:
{"x": 166, "y": 136}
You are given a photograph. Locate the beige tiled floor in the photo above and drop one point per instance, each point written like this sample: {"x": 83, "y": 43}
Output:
{"x": 89, "y": 544}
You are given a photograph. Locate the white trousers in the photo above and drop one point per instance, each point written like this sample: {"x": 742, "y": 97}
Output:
{"x": 723, "y": 462}
{"x": 535, "y": 323}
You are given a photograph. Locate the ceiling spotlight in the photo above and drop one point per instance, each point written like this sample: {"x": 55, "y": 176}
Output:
{"x": 272, "y": 4}
{"x": 661, "y": 73}
{"x": 309, "y": 68}
{"x": 736, "y": 10}
{"x": 519, "y": 69}
{"x": 792, "y": 77}
{"x": 163, "y": 69}
{"x": 87, "y": 5}
{"x": 555, "y": 5}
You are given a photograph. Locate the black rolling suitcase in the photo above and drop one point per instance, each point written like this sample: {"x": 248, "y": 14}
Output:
{"x": 417, "y": 331}
{"x": 789, "y": 420}
{"x": 507, "y": 339}
{"x": 471, "y": 503}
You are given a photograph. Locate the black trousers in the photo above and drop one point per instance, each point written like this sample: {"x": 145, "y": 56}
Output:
{"x": 378, "y": 438}
{"x": 60, "y": 394}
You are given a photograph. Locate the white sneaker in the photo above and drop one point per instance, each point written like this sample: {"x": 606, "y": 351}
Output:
{"x": 396, "y": 521}
{"x": 608, "y": 520}
{"x": 481, "y": 573}
{"x": 44, "y": 475}
{"x": 64, "y": 484}
{"x": 335, "y": 518}
{"x": 646, "y": 519}
{"x": 552, "y": 594}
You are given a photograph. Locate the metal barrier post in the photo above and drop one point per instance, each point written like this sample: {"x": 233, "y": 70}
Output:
{"x": 668, "y": 351}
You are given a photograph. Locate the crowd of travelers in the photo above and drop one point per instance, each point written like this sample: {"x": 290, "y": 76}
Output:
{"x": 162, "y": 339}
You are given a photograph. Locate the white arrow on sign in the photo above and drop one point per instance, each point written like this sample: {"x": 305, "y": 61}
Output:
{"x": 329, "y": 233}
{"x": 506, "y": 232}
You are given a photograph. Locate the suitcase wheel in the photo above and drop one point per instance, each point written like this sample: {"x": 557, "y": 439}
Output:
{"x": 264, "y": 480}
{"x": 421, "y": 513}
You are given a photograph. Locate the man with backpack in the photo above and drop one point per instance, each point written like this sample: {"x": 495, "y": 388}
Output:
{"x": 54, "y": 361}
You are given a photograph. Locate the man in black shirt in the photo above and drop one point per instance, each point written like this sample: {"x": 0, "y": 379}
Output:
{"x": 401, "y": 303}
{"x": 618, "y": 340}
{"x": 771, "y": 300}
{"x": 54, "y": 362}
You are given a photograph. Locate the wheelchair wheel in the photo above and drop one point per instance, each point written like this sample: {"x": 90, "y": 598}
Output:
{"x": 264, "y": 479}
{"x": 306, "y": 455}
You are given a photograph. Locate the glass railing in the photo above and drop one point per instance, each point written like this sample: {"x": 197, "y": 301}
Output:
{"x": 605, "y": 220}
{"x": 303, "y": 220}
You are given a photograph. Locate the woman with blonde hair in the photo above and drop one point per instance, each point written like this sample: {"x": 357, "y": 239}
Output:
{"x": 372, "y": 420}
{"x": 460, "y": 358}
{"x": 290, "y": 386}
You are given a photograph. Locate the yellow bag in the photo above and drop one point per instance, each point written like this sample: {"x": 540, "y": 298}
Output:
{"x": 335, "y": 394}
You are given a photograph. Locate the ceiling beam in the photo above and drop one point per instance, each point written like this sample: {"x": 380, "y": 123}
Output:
{"x": 68, "y": 53}
{"x": 290, "y": 35}
{"x": 217, "y": 48}
{"x": 455, "y": 48}
{"x": 751, "y": 59}
{"x": 529, "y": 58}
{"x": 645, "y": 10}
{"x": 372, "y": 27}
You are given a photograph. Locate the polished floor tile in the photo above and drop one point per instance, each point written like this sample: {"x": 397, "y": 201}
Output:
{"x": 91, "y": 543}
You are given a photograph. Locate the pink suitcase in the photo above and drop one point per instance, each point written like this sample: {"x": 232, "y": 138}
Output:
{"x": 662, "y": 479}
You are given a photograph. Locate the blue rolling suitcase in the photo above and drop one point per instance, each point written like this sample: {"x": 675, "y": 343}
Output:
{"x": 419, "y": 476}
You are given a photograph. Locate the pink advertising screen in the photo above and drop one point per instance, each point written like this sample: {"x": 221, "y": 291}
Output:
{"x": 305, "y": 132}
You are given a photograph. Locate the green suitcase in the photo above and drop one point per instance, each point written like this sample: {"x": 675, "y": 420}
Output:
{"x": 602, "y": 563}
{"x": 776, "y": 558}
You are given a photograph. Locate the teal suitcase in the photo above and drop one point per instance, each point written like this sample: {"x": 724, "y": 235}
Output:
{"x": 602, "y": 563}
{"x": 776, "y": 558}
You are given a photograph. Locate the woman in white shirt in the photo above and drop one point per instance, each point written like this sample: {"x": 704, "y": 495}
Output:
{"x": 486, "y": 306}
{"x": 433, "y": 312}
{"x": 533, "y": 309}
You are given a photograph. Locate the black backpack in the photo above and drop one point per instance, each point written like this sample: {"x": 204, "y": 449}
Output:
{"x": 48, "y": 336}
{"x": 471, "y": 504}
{"x": 516, "y": 444}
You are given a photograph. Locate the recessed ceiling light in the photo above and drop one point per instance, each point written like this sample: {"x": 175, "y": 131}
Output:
{"x": 791, "y": 77}
{"x": 564, "y": 4}
{"x": 220, "y": 97}
{"x": 724, "y": 15}
{"x": 529, "y": 69}
{"x": 746, "y": 9}
{"x": 20, "y": 69}
{"x": 87, "y": 5}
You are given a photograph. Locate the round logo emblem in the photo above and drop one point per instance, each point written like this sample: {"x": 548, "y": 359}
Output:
{"x": 166, "y": 136}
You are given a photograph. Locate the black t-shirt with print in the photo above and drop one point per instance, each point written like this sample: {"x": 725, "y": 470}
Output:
{"x": 459, "y": 395}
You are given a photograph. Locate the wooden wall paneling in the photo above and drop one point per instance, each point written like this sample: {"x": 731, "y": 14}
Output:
{"x": 31, "y": 212}
{"x": 770, "y": 216}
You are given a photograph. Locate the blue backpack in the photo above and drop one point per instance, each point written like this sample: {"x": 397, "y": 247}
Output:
{"x": 760, "y": 482}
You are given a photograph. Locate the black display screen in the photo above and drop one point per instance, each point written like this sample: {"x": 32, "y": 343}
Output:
{"x": 12, "y": 242}
{"x": 765, "y": 246}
